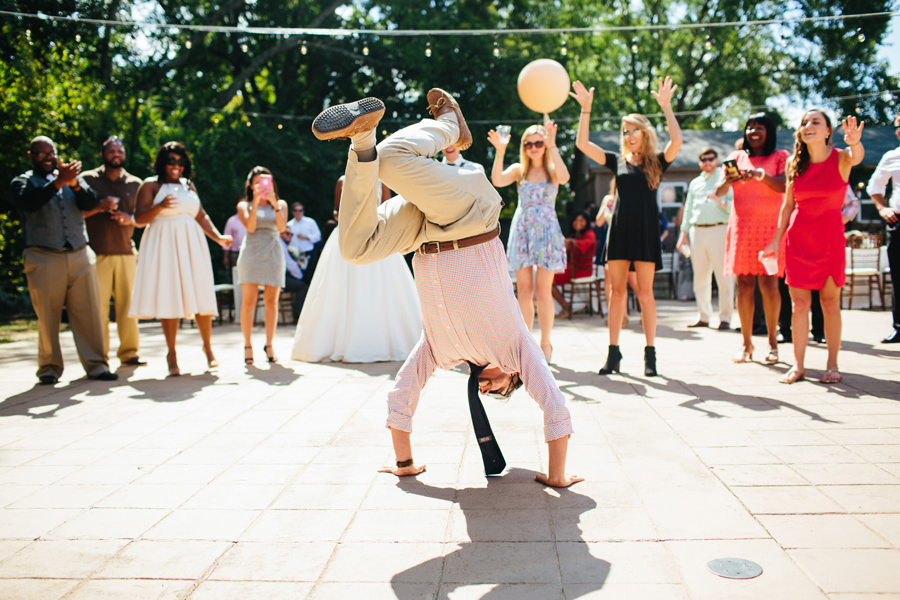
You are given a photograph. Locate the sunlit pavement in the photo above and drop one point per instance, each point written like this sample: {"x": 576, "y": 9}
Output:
{"x": 261, "y": 482}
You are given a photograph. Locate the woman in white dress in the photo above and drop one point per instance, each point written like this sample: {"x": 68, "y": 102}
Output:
{"x": 358, "y": 314}
{"x": 174, "y": 278}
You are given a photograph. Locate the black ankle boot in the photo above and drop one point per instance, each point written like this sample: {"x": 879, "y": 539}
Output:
{"x": 649, "y": 361}
{"x": 612, "y": 361}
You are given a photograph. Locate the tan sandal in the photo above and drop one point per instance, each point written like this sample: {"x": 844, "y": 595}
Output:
{"x": 793, "y": 375}
{"x": 772, "y": 356}
{"x": 831, "y": 376}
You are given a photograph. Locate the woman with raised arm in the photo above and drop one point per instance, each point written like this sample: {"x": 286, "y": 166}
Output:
{"x": 634, "y": 229}
{"x": 261, "y": 261}
{"x": 174, "y": 277}
{"x": 810, "y": 219}
{"x": 535, "y": 238}
{"x": 758, "y": 183}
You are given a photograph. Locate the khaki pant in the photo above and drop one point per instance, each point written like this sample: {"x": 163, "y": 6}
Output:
{"x": 435, "y": 202}
{"x": 115, "y": 276}
{"x": 708, "y": 258}
{"x": 66, "y": 278}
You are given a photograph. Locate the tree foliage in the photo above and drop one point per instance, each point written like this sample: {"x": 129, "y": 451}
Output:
{"x": 237, "y": 100}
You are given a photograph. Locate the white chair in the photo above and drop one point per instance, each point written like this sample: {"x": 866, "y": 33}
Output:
{"x": 863, "y": 265}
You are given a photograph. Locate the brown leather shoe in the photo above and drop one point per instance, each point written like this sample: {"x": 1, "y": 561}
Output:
{"x": 341, "y": 121}
{"x": 441, "y": 102}
{"x": 700, "y": 324}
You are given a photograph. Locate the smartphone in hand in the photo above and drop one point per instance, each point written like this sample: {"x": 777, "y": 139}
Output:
{"x": 731, "y": 168}
{"x": 265, "y": 182}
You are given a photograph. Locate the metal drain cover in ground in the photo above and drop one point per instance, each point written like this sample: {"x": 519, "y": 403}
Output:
{"x": 735, "y": 568}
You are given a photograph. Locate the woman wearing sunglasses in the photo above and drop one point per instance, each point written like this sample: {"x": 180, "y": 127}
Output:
{"x": 633, "y": 237}
{"x": 174, "y": 277}
{"x": 535, "y": 238}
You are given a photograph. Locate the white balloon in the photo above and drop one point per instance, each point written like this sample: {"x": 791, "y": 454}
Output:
{"x": 543, "y": 85}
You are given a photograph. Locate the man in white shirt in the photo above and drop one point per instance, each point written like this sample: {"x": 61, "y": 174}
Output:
{"x": 889, "y": 169}
{"x": 454, "y": 158}
{"x": 705, "y": 220}
{"x": 305, "y": 231}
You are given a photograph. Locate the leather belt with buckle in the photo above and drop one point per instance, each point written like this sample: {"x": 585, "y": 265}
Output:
{"x": 438, "y": 247}
{"x": 710, "y": 225}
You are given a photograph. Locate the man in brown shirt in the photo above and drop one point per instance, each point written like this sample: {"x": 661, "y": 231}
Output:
{"x": 110, "y": 227}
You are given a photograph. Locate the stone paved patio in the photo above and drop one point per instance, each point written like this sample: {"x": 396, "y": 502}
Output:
{"x": 261, "y": 482}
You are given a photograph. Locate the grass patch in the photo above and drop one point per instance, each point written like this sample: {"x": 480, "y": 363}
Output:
{"x": 18, "y": 330}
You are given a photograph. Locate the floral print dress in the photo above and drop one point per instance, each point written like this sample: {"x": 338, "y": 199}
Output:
{"x": 535, "y": 237}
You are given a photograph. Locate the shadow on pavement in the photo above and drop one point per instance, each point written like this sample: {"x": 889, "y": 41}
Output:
{"x": 703, "y": 393}
{"x": 171, "y": 389}
{"x": 276, "y": 374}
{"x": 480, "y": 562}
{"x": 30, "y": 402}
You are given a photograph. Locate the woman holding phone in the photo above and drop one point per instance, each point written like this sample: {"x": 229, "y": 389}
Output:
{"x": 634, "y": 233}
{"x": 756, "y": 174}
{"x": 812, "y": 224}
{"x": 261, "y": 261}
{"x": 174, "y": 277}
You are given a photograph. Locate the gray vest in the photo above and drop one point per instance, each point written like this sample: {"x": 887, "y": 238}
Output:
{"x": 57, "y": 222}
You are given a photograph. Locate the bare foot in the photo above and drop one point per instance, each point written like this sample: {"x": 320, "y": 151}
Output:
{"x": 566, "y": 482}
{"x": 547, "y": 349}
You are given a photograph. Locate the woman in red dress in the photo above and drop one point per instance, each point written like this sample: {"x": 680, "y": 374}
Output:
{"x": 758, "y": 190}
{"x": 581, "y": 245}
{"x": 817, "y": 176}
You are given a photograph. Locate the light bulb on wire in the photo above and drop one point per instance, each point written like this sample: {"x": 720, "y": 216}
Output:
{"x": 564, "y": 50}
{"x": 188, "y": 44}
{"x": 77, "y": 37}
{"x": 496, "y": 50}
{"x": 303, "y": 49}
{"x": 860, "y": 35}
{"x": 708, "y": 43}
{"x": 428, "y": 49}
{"x": 244, "y": 47}
{"x": 365, "y": 48}
{"x": 634, "y": 45}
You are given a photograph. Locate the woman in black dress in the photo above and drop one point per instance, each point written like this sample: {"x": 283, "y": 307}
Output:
{"x": 633, "y": 237}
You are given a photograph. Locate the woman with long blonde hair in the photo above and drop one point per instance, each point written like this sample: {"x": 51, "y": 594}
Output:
{"x": 535, "y": 238}
{"x": 810, "y": 220}
{"x": 633, "y": 237}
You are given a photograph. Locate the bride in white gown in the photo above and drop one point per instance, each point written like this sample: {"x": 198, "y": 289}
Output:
{"x": 358, "y": 314}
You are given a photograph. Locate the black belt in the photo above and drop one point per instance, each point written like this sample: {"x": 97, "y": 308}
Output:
{"x": 437, "y": 247}
{"x": 710, "y": 225}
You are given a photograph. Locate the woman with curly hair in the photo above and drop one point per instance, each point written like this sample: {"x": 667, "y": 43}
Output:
{"x": 810, "y": 220}
{"x": 535, "y": 238}
{"x": 633, "y": 237}
{"x": 174, "y": 278}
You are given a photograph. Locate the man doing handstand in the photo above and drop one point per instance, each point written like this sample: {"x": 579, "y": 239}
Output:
{"x": 449, "y": 217}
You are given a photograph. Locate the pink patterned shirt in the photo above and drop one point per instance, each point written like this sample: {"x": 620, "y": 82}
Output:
{"x": 470, "y": 314}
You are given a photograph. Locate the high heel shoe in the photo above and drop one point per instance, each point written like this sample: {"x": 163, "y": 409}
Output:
{"x": 172, "y": 361}
{"x": 649, "y": 361}
{"x": 271, "y": 358}
{"x": 612, "y": 361}
{"x": 248, "y": 360}
{"x": 211, "y": 361}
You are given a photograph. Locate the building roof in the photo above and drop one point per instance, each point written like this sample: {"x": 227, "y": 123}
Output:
{"x": 876, "y": 141}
